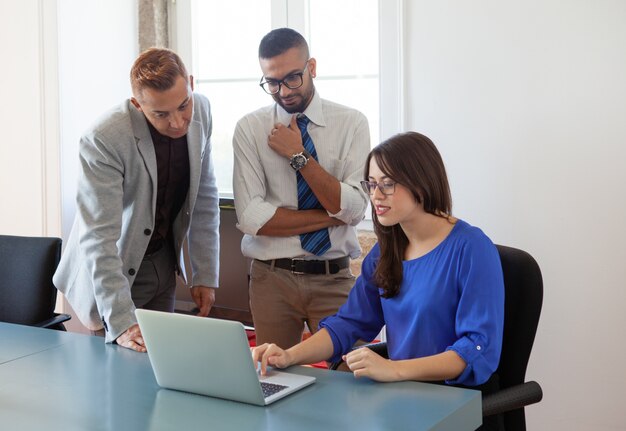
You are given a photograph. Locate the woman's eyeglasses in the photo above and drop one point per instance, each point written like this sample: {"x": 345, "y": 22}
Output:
{"x": 386, "y": 188}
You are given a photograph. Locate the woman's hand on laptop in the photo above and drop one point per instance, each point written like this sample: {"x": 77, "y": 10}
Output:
{"x": 271, "y": 354}
{"x": 316, "y": 348}
{"x": 132, "y": 339}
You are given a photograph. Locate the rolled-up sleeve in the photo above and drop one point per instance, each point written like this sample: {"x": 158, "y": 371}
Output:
{"x": 249, "y": 182}
{"x": 353, "y": 199}
{"x": 480, "y": 315}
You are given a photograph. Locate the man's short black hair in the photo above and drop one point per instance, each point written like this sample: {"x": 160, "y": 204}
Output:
{"x": 280, "y": 40}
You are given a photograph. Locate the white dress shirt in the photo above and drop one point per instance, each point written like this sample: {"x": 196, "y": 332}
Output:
{"x": 263, "y": 180}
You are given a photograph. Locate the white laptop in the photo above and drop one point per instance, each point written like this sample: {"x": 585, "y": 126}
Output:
{"x": 210, "y": 357}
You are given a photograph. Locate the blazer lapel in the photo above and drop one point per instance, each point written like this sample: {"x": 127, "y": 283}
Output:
{"x": 145, "y": 146}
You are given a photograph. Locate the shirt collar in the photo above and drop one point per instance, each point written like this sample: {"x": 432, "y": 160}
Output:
{"x": 313, "y": 112}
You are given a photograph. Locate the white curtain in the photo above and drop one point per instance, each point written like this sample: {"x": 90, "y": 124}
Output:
{"x": 153, "y": 28}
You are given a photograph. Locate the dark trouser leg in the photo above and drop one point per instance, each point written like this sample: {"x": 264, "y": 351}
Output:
{"x": 154, "y": 287}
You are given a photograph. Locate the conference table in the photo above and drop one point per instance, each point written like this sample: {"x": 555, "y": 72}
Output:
{"x": 54, "y": 380}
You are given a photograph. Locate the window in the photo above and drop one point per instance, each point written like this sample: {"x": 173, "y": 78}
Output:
{"x": 343, "y": 37}
{"x": 219, "y": 43}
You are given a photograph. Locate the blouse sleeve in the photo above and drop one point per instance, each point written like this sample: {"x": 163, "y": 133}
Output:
{"x": 480, "y": 314}
{"x": 361, "y": 317}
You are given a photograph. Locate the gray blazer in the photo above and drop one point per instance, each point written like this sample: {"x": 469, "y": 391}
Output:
{"x": 115, "y": 215}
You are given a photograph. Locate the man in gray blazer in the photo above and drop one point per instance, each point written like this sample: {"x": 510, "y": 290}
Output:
{"x": 146, "y": 184}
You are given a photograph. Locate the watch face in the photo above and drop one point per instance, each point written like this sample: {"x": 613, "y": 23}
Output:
{"x": 298, "y": 161}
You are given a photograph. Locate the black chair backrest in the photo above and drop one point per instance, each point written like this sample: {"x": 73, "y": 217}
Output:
{"x": 523, "y": 288}
{"x": 27, "y": 264}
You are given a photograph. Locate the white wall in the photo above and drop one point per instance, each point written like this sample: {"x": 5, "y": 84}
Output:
{"x": 527, "y": 102}
{"x": 97, "y": 46}
{"x": 67, "y": 62}
{"x": 29, "y": 120}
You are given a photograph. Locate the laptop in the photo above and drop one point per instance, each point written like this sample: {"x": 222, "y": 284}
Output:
{"x": 210, "y": 357}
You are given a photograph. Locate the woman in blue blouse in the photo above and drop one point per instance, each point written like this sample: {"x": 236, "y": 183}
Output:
{"x": 432, "y": 279}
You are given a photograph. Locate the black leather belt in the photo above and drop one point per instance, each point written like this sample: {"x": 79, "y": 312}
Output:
{"x": 301, "y": 266}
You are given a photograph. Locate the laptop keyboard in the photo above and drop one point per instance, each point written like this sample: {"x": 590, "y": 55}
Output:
{"x": 271, "y": 388}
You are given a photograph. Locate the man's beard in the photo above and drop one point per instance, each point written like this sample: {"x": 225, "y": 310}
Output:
{"x": 300, "y": 107}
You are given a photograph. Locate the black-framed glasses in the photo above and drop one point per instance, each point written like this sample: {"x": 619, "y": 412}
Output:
{"x": 293, "y": 81}
{"x": 386, "y": 188}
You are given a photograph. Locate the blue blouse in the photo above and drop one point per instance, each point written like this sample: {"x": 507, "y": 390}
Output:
{"x": 452, "y": 298}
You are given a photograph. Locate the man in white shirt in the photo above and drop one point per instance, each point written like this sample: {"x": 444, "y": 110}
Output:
{"x": 298, "y": 163}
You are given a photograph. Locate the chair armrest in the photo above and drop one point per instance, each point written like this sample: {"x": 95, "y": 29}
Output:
{"x": 380, "y": 348}
{"x": 54, "y": 322}
{"x": 512, "y": 398}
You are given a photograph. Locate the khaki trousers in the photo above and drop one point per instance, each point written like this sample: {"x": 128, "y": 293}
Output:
{"x": 282, "y": 302}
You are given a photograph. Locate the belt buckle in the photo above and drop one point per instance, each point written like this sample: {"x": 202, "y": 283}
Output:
{"x": 293, "y": 266}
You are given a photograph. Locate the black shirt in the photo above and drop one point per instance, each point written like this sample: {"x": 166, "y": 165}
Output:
{"x": 172, "y": 156}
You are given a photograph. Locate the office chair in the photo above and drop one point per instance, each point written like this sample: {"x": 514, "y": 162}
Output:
{"x": 27, "y": 295}
{"x": 523, "y": 289}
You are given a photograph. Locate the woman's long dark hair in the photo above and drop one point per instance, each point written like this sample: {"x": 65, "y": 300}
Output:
{"x": 412, "y": 160}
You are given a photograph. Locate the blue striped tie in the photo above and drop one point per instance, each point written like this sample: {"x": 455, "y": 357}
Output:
{"x": 317, "y": 242}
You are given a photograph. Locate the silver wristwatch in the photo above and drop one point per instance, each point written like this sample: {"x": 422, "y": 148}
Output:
{"x": 299, "y": 160}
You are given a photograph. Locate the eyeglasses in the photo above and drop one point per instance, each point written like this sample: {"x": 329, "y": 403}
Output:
{"x": 293, "y": 81}
{"x": 385, "y": 188}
